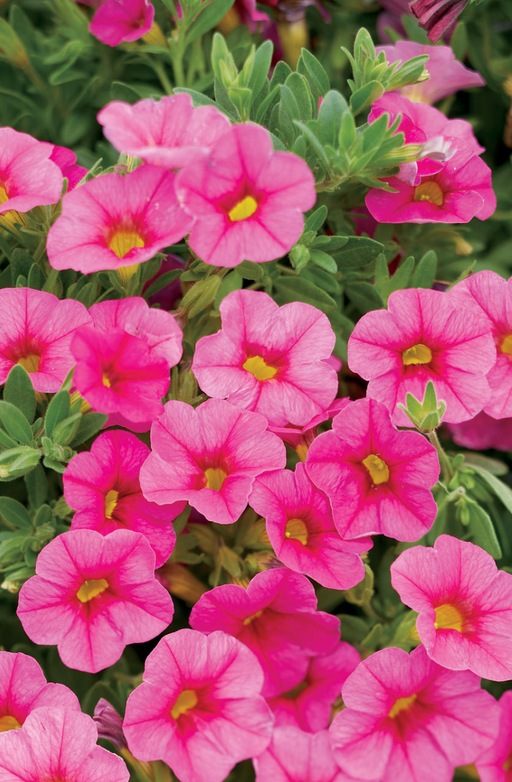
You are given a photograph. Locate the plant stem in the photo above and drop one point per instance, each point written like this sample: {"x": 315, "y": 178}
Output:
{"x": 444, "y": 461}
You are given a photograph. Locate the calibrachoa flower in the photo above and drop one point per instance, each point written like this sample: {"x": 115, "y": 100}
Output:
{"x": 495, "y": 764}
{"x": 210, "y": 457}
{"x": 36, "y": 330}
{"x": 424, "y": 335}
{"x": 249, "y": 200}
{"x": 23, "y": 688}
{"x": 436, "y": 16}
{"x": 66, "y": 161}
{"x": 295, "y": 756}
{"x": 103, "y": 487}
{"x": 269, "y": 359}
{"x": 93, "y": 595}
{"x": 483, "y": 432}
{"x": 377, "y": 478}
{"x": 115, "y": 221}
{"x": 407, "y": 718}
{"x": 199, "y": 707}
{"x": 58, "y": 744}
{"x": 169, "y": 132}
{"x": 301, "y": 530}
{"x": 276, "y": 617}
{"x": 301, "y": 437}
{"x": 118, "y": 21}
{"x": 464, "y": 604}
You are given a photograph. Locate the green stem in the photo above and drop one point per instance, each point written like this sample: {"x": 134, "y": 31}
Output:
{"x": 164, "y": 80}
{"x": 444, "y": 461}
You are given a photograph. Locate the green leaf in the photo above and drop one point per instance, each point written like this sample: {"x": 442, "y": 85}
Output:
{"x": 211, "y": 15}
{"x": 15, "y": 423}
{"x": 425, "y": 272}
{"x": 482, "y": 530}
{"x": 37, "y": 486}
{"x": 162, "y": 282}
{"x": 364, "y": 296}
{"x": 316, "y": 219}
{"x": 365, "y": 96}
{"x": 89, "y": 426}
{"x": 121, "y": 91}
{"x": 18, "y": 461}
{"x": 300, "y": 88}
{"x": 15, "y": 513}
{"x": 358, "y": 251}
{"x": 299, "y": 256}
{"x": 231, "y": 282}
{"x": 324, "y": 261}
{"x": 298, "y": 289}
{"x": 314, "y": 71}
{"x": 500, "y": 489}
{"x": 19, "y": 391}
{"x": 64, "y": 432}
{"x": 260, "y": 69}
{"x": 330, "y": 115}
{"x": 57, "y": 411}
{"x": 249, "y": 270}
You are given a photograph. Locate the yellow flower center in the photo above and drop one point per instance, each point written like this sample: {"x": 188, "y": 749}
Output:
{"x": 297, "y": 530}
{"x": 378, "y": 469}
{"x": 215, "y": 477}
{"x": 185, "y": 701}
{"x": 110, "y": 503}
{"x": 429, "y": 191}
{"x": 30, "y": 363}
{"x": 125, "y": 273}
{"x": 244, "y": 209}
{"x": 402, "y": 704}
{"x": 251, "y": 619}
{"x": 3, "y": 195}
{"x": 122, "y": 241}
{"x": 449, "y": 618}
{"x": 507, "y": 766}
{"x": 302, "y": 451}
{"x": 91, "y": 589}
{"x": 257, "y": 367}
{"x": 8, "y": 723}
{"x": 506, "y": 345}
{"x": 106, "y": 380}
{"x": 418, "y": 354}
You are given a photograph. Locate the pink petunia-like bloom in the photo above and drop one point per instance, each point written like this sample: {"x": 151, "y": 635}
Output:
{"x": 169, "y": 132}
{"x": 464, "y": 604}
{"x": 36, "y": 331}
{"x": 115, "y": 221}
{"x": 57, "y": 745}
{"x": 66, "y": 161}
{"x": 93, "y": 595}
{"x": 377, "y": 478}
{"x": 248, "y": 200}
{"x": 409, "y": 720}
{"x": 23, "y": 688}
{"x": 301, "y": 530}
{"x": 269, "y": 359}
{"x": 495, "y": 764}
{"x": 103, "y": 487}
{"x": 483, "y": 432}
{"x": 199, "y": 707}
{"x": 210, "y": 457}
{"x": 120, "y": 21}
{"x": 295, "y": 756}
{"x": 437, "y": 16}
{"x": 301, "y": 437}
{"x": 424, "y": 335}
{"x": 276, "y": 617}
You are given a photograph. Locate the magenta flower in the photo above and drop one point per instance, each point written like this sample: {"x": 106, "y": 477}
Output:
{"x": 269, "y": 359}
{"x": 483, "y": 432}
{"x": 210, "y": 457}
{"x": 301, "y": 530}
{"x": 424, "y": 335}
{"x": 377, "y": 478}
{"x": 295, "y": 756}
{"x": 199, "y": 707}
{"x": 116, "y": 221}
{"x": 464, "y": 604}
{"x": 437, "y": 16}
{"x": 119, "y": 21}
{"x": 495, "y": 764}
{"x": 58, "y": 744}
{"x": 407, "y": 718}
{"x": 169, "y": 132}
{"x": 103, "y": 487}
{"x": 276, "y": 617}
{"x": 93, "y": 595}
{"x": 66, "y": 161}
{"x": 249, "y": 200}
{"x": 36, "y": 331}
{"x": 301, "y": 437}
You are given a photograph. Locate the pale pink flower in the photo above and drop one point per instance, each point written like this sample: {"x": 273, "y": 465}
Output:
{"x": 28, "y": 177}
{"x": 66, "y": 161}
{"x": 119, "y": 21}
{"x": 295, "y": 756}
{"x": 483, "y": 432}
{"x": 495, "y": 764}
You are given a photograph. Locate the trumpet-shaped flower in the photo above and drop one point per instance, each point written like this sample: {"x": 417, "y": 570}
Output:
{"x": 210, "y": 457}
{"x": 269, "y": 359}
{"x": 295, "y": 756}
{"x": 120, "y": 21}
{"x": 248, "y": 200}
{"x": 199, "y": 707}
{"x": 424, "y": 335}
{"x": 464, "y": 604}
{"x": 93, "y": 595}
{"x": 408, "y": 719}
{"x": 495, "y": 764}
{"x": 276, "y": 617}
{"x": 483, "y": 432}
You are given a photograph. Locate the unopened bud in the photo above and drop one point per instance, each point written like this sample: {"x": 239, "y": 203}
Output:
{"x": 109, "y": 724}
{"x": 181, "y": 582}
{"x": 156, "y": 37}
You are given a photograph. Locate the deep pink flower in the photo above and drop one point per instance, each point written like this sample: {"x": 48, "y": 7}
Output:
{"x": 199, "y": 707}
{"x": 295, "y": 756}
{"x": 93, "y": 595}
{"x": 115, "y": 221}
{"x": 464, "y": 604}
{"x": 424, "y": 335}
{"x": 301, "y": 437}
{"x": 210, "y": 457}
{"x": 66, "y": 161}
{"x": 495, "y": 764}
{"x": 483, "y": 432}
{"x": 407, "y": 718}
{"x": 248, "y": 200}
{"x": 36, "y": 330}
{"x": 276, "y": 617}
{"x": 437, "y": 16}
{"x": 269, "y": 359}
{"x": 167, "y": 297}
{"x": 169, "y": 132}
{"x": 118, "y": 21}
{"x": 301, "y": 530}
{"x": 103, "y": 487}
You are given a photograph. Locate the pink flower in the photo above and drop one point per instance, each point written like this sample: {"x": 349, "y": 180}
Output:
{"x": 437, "y": 16}
{"x": 495, "y": 764}
{"x": 23, "y": 688}
{"x": 407, "y": 718}
{"x": 301, "y": 437}
{"x": 210, "y": 457}
{"x": 167, "y": 297}
{"x": 58, "y": 744}
{"x": 66, "y": 161}
{"x": 103, "y": 487}
{"x": 118, "y": 21}
{"x": 92, "y": 596}
{"x": 294, "y": 756}
{"x": 115, "y": 221}
{"x": 199, "y": 707}
{"x": 302, "y": 532}
{"x": 36, "y": 331}
{"x": 464, "y": 604}
{"x": 483, "y": 432}
{"x": 249, "y": 200}
{"x": 424, "y": 335}
{"x": 276, "y": 617}
{"x": 168, "y": 132}
{"x": 378, "y": 479}
{"x": 269, "y": 359}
